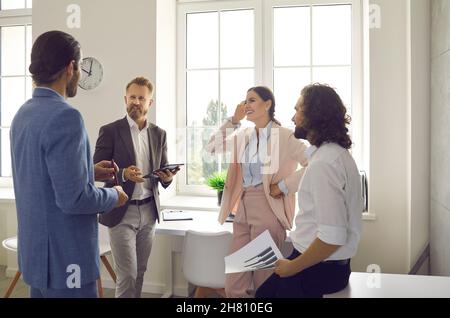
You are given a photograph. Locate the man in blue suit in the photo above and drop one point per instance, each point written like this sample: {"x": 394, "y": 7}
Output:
{"x": 56, "y": 199}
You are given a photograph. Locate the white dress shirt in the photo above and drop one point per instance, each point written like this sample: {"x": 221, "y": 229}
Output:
{"x": 330, "y": 202}
{"x": 142, "y": 155}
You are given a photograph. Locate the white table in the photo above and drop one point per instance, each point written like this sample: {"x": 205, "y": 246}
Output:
{"x": 368, "y": 285}
{"x": 203, "y": 221}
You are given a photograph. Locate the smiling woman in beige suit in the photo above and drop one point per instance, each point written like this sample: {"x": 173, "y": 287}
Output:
{"x": 261, "y": 182}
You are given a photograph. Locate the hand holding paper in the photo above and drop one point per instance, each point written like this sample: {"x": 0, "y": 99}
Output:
{"x": 261, "y": 253}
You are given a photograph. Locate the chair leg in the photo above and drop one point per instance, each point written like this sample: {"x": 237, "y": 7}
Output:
{"x": 203, "y": 292}
{"x": 108, "y": 267}
{"x": 221, "y": 292}
{"x": 12, "y": 285}
{"x": 99, "y": 288}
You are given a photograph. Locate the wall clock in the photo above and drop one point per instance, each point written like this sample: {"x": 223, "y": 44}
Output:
{"x": 91, "y": 73}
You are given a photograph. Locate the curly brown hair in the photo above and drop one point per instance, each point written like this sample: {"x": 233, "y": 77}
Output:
{"x": 325, "y": 116}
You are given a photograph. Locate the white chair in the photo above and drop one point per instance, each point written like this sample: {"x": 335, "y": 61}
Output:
{"x": 203, "y": 261}
{"x": 104, "y": 248}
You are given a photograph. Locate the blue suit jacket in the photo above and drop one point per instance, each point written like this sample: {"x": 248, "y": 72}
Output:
{"x": 56, "y": 199}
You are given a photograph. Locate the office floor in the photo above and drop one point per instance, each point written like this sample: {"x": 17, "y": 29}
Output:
{"x": 21, "y": 289}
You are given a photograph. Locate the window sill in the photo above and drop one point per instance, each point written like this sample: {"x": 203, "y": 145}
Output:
{"x": 203, "y": 203}
{"x": 179, "y": 202}
{"x": 369, "y": 217}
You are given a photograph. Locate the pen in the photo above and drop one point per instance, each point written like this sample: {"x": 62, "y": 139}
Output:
{"x": 116, "y": 181}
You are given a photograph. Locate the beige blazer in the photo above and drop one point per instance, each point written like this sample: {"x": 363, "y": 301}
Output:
{"x": 284, "y": 152}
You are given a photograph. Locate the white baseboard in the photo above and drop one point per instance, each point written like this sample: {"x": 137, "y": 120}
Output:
{"x": 148, "y": 287}
{"x": 11, "y": 272}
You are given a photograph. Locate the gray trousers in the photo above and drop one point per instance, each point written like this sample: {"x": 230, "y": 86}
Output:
{"x": 131, "y": 244}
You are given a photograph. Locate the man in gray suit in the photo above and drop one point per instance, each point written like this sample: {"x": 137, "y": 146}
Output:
{"x": 138, "y": 147}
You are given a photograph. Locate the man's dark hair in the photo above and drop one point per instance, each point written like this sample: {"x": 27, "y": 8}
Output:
{"x": 325, "y": 116}
{"x": 52, "y": 52}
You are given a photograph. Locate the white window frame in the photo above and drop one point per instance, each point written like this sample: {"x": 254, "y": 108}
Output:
{"x": 264, "y": 65}
{"x": 206, "y": 6}
{"x": 16, "y": 17}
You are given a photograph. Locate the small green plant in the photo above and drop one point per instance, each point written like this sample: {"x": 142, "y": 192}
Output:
{"x": 217, "y": 181}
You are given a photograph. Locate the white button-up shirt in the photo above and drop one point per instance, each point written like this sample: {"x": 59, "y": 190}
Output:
{"x": 142, "y": 155}
{"x": 330, "y": 202}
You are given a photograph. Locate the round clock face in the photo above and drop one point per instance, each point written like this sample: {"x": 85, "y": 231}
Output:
{"x": 91, "y": 73}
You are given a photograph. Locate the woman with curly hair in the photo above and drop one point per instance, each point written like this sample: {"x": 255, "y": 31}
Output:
{"x": 328, "y": 225}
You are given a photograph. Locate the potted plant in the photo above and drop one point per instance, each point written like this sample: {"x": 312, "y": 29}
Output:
{"x": 217, "y": 182}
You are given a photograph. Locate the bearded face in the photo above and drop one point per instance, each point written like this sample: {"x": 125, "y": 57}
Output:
{"x": 138, "y": 101}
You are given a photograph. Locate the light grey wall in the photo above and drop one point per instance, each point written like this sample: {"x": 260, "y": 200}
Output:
{"x": 121, "y": 35}
{"x": 440, "y": 139}
{"x": 419, "y": 129}
{"x": 388, "y": 241}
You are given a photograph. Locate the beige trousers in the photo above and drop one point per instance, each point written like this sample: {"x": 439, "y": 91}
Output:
{"x": 253, "y": 217}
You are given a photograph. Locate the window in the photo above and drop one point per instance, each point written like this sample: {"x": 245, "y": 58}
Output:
{"x": 227, "y": 47}
{"x": 16, "y": 4}
{"x": 15, "y": 80}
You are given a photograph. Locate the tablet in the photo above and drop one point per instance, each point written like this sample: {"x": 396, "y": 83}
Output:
{"x": 170, "y": 167}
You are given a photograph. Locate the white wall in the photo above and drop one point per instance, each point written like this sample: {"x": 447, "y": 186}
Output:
{"x": 399, "y": 128}
{"x": 165, "y": 115}
{"x": 121, "y": 35}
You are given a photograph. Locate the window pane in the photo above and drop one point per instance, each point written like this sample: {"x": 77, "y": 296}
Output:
{"x": 288, "y": 84}
{"x": 13, "y": 4}
{"x": 28, "y": 49}
{"x": 202, "y": 97}
{"x": 29, "y": 3}
{"x": 6, "y": 154}
{"x": 292, "y": 36}
{"x": 332, "y": 35}
{"x": 233, "y": 88}
{"x": 13, "y": 50}
{"x": 202, "y": 40}
{"x": 339, "y": 78}
{"x": 200, "y": 164}
{"x": 29, "y": 88}
{"x": 237, "y": 35}
{"x": 13, "y": 96}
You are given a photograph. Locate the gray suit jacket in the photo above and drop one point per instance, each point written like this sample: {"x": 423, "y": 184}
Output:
{"x": 114, "y": 142}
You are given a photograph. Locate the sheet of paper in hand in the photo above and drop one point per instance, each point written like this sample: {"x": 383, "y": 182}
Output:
{"x": 261, "y": 253}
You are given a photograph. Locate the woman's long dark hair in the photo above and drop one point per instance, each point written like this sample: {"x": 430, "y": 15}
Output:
{"x": 266, "y": 94}
{"x": 325, "y": 116}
